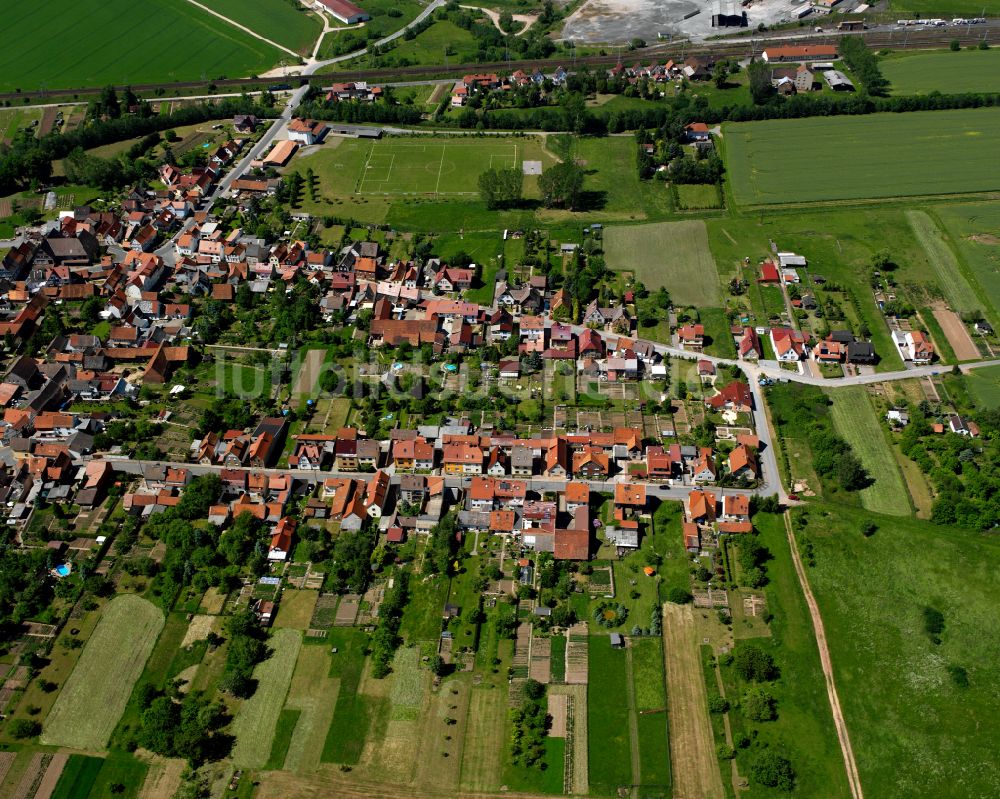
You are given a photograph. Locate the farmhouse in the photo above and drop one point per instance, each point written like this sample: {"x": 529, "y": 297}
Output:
{"x": 808, "y": 52}
{"x": 342, "y": 10}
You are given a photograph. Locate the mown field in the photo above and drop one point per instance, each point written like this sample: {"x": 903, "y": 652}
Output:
{"x": 674, "y": 255}
{"x": 281, "y": 21}
{"x": 846, "y": 158}
{"x": 951, "y": 278}
{"x": 855, "y": 421}
{"x": 943, "y": 71}
{"x": 923, "y": 716}
{"x": 257, "y": 720}
{"x": 62, "y": 44}
{"x": 95, "y": 695}
{"x": 607, "y": 718}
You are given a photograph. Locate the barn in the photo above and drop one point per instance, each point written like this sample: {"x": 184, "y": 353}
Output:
{"x": 344, "y": 11}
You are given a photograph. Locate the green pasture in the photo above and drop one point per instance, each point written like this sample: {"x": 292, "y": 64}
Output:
{"x": 288, "y": 24}
{"x": 974, "y": 232}
{"x": 847, "y": 158}
{"x": 943, "y": 71}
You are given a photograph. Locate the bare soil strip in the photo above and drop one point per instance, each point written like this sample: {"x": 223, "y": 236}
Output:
{"x": 853, "y": 778}
{"x": 51, "y": 777}
{"x": 305, "y": 381}
{"x": 163, "y": 778}
{"x": 959, "y": 338}
{"x": 692, "y": 752}
{"x": 557, "y": 707}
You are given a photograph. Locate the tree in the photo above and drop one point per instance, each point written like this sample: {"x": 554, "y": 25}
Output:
{"x": 679, "y": 596}
{"x": 501, "y": 188}
{"x": 438, "y": 666}
{"x": 955, "y": 45}
{"x": 574, "y": 108}
{"x": 533, "y": 689}
{"x": 758, "y": 705}
{"x": 561, "y": 185}
{"x": 753, "y": 664}
{"x": 720, "y": 74}
{"x": 773, "y": 770}
{"x": 24, "y": 728}
{"x": 761, "y": 89}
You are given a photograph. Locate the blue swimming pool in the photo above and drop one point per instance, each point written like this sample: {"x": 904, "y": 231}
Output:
{"x": 63, "y": 570}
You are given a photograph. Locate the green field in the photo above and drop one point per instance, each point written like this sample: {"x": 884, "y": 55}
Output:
{"x": 78, "y": 777}
{"x": 13, "y": 120}
{"x": 430, "y": 46}
{"x": 951, "y": 278}
{"x": 257, "y": 720}
{"x": 943, "y": 71}
{"x": 675, "y": 255}
{"x": 647, "y": 673}
{"x": 432, "y": 166}
{"x": 607, "y": 718}
{"x": 974, "y": 230}
{"x": 854, "y": 419}
{"x": 846, "y": 158}
{"x": 915, "y": 729}
{"x": 289, "y": 24}
{"x": 698, "y": 196}
{"x": 654, "y": 755}
{"x": 984, "y": 385}
{"x": 354, "y": 713}
{"x": 95, "y": 695}
{"x": 62, "y": 44}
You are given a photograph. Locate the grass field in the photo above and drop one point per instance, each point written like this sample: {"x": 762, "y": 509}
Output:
{"x": 78, "y": 777}
{"x": 698, "y": 196}
{"x": 954, "y": 285}
{"x": 607, "y": 718}
{"x": 283, "y": 731}
{"x": 916, "y": 731}
{"x": 935, "y": 152}
{"x": 943, "y": 71}
{"x": 257, "y": 720}
{"x": 974, "y": 231}
{"x": 312, "y": 694}
{"x": 13, "y": 120}
{"x": 854, "y": 419}
{"x": 654, "y": 755}
{"x": 647, "y": 665}
{"x": 984, "y": 386}
{"x": 353, "y": 713}
{"x": 296, "y": 609}
{"x": 429, "y": 47}
{"x": 173, "y": 41}
{"x": 90, "y": 704}
{"x": 280, "y": 21}
{"x": 675, "y": 255}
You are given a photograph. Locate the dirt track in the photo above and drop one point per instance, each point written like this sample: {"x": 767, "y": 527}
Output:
{"x": 959, "y": 338}
{"x": 853, "y": 778}
{"x": 692, "y": 751}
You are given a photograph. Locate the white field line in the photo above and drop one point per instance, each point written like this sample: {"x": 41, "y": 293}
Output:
{"x": 437, "y": 187}
{"x": 245, "y": 29}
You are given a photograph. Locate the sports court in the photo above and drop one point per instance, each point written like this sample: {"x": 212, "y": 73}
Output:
{"x": 434, "y": 167}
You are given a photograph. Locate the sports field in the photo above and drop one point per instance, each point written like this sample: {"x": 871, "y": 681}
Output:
{"x": 432, "y": 166}
{"x": 846, "y": 158}
{"x": 63, "y": 44}
{"x": 943, "y": 71}
{"x": 95, "y": 695}
{"x": 854, "y": 419}
{"x": 674, "y": 255}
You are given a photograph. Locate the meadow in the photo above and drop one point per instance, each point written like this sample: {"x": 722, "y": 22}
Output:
{"x": 974, "y": 231}
{"x": 647, "y": 668}
{"x": 607, "y": 718}
{"x": 257, "y": 720}
{"x": 951, "y": 277}
{"x": 854, "y": 420}
{"x": 65, "y": 45}
{"x": 698, "y": 196}
{"x": 674, "y": 255}
{"x": 923, "y": 716}
{"x": 290, "y": 24}
{"x": 845, "y": 158}
{"x": 943, "y": 71}
{"x": 90, "y": 703}
{"x": 431, "y": 46}
{"x": 984, "y": 386}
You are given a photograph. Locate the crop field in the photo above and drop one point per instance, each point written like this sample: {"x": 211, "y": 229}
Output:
{"x": 674, "y": 255}
{"x": 607, "y": 718}
{"x": 62, "y": 44}
{"x": 278, "y": 20}
{"x": 256, "y": 721}
{"x": 942, "y": 71}
{"x": 854, "y": 419}
{"x": 90, "y": 704}
{"x": 934, "y": 152}
{"x": 974, "y": 230}
{"x": 923, "y": 716}
{"x": 984, "y": 386}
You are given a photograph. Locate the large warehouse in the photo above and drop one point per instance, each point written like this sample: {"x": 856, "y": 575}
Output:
{"x": 344, "y": 11}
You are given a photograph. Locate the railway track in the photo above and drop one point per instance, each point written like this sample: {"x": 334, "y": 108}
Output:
{"x": 727, "y": 48}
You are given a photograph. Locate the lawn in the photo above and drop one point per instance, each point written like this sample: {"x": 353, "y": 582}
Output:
{"x": 974, "y": 232}
{"x": 548, "y": 779}
{"x": 916, "y": 728}
{"x": 431, "y": 46}
{"x": 933, "y": 152}
{"x": 63, "y": 44}
{"x": 257, "y": 720}
{"x": 855, "y": 421}
{"x": 95, "y": 695}
{"x": 943, "y": 71}
{"x": 280, "y": 21}
{"x": 674, "y": 255}
{"x": 607, "y": 718}
{"x": 647, "y": 673}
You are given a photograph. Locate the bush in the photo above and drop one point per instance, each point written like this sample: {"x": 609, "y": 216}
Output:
{"x": 679, "y": 596}
{"x": 773, "y": 770}
{"x": 24, "y": 728}
{"x": 753, "y": 664}
{"x": 718, "y": 704}
{"x": 759, "y": 705}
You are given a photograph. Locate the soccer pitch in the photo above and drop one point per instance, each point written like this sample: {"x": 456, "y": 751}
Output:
{"x": 434, "y": 167}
